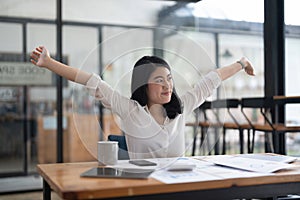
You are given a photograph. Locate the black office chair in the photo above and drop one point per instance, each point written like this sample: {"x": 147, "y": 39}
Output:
{"x": 123, "y": 151}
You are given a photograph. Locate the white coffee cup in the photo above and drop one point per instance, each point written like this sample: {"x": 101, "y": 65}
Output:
{"x": 108, "y": 152}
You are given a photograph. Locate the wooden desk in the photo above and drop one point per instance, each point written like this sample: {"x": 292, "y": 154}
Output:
{"x": 65, "y": 180}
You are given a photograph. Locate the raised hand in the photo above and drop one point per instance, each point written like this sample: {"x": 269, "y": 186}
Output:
{"x": 40, "y": 56}
{"x": 248, "y": 66}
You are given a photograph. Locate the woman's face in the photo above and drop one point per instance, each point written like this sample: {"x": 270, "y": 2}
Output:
{"x": 160, "y": 86}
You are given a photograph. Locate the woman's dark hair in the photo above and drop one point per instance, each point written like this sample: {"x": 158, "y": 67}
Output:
{"x": 139, "y": 83}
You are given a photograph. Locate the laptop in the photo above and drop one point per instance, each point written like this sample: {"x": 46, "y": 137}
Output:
{"x": 109, "y": 172}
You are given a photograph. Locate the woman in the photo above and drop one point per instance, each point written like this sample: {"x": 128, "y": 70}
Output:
{"x": 153, "y": 119}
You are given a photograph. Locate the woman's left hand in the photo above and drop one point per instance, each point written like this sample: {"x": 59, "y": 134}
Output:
{"x": 248, "y": 66}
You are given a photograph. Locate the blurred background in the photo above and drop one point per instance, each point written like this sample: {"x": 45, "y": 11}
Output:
{"x": 107, "y": 38}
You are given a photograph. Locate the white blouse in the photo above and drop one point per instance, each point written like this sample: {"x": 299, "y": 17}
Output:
{"x": 144, "y": 136}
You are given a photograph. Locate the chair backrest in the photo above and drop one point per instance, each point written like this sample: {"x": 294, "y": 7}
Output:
{"x": 220, "y": 105}
{"x": 225, "y": 103}
{"x": 123, "y": 150}
{"x": 206, "y": 105}
{"x": 264, "y": 104}
{"x": 257, "y": 102}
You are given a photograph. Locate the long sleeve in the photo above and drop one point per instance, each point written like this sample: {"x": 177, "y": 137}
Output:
{"x": 109, "y": 97}
{"x": 203, "y": 89}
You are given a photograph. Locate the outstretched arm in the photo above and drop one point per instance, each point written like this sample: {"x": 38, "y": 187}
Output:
{"x": 228, "y": 71}
{"x": 40, "y": 57}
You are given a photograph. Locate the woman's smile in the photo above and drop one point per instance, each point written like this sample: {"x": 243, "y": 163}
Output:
{"x": 166, "y": 93}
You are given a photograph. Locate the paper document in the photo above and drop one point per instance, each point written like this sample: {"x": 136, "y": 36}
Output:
{"x": 270, "y": 157}
{"x": 205, "y": 168}
{"x": 204, "y": 171}
{"x": 254, "y": 165}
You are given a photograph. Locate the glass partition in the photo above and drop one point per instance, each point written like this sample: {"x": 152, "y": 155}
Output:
{"x": 292, "y": 71}
{"x": 12, "y": 121}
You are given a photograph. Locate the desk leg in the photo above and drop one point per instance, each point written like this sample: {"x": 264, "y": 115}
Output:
{"x": 46, "y": 191}
{"x": 282, "y": 141}
{"x": 217, "y": 141}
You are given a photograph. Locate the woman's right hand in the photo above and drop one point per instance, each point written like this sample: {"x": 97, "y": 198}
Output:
{"x": 40, "y": 56}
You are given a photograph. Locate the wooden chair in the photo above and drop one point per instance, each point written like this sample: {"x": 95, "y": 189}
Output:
{"x": 201, "y": 121}
{"x": 280, "y": 128}
{"x": 234, "y": 121}
{"x": 264, "y": 105}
